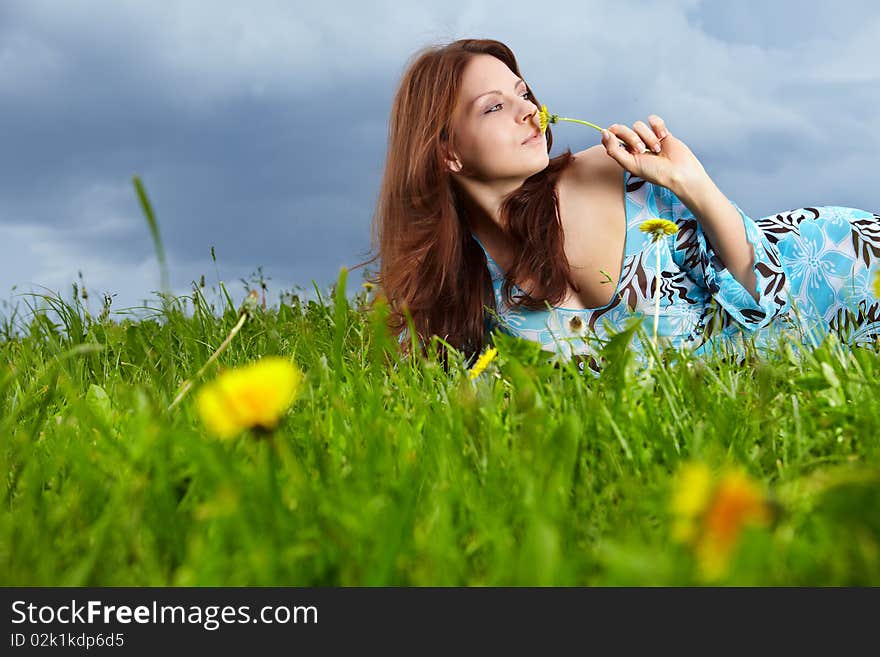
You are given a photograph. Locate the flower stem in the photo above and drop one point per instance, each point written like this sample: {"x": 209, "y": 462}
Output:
{"x": 248, "y": 308}
{"x": 657, "y": 293}
{"x": 592, "y": 125}
{"x": 186, "y": 385}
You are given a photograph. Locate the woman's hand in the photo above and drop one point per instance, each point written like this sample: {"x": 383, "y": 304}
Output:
{"x": 673, "y": 167}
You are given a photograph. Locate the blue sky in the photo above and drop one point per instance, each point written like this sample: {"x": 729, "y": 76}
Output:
{"x": 260, "y": 128}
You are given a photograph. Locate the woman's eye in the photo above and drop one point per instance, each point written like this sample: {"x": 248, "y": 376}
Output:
{"x": 527, "y": 94}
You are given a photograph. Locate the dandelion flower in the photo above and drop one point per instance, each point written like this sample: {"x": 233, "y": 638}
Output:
{"x": 253, "y": 396}
{"x": 544, "y": 118}
{"x": 658, "y": 227}
{"x": 482, "y": 362}
{"x": 877, "y": 283}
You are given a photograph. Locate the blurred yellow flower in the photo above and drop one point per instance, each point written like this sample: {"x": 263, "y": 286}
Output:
{"x": 877, "y": 283}
{"x": 692, "y": 487}
{"x": 710, "y": 513}
{"x": 254, "y": 395}
{"x": 658, "y": 227}
{"x": 482, "y": 362}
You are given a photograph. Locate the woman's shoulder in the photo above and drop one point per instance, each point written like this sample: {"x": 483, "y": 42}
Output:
{"x": 593, "y": 181}
{"x": 590, "y": 170}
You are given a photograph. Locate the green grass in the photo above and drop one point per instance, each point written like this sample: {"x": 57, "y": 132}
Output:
{"x": 392, "y": 471}
{"x": 405, "y": 474}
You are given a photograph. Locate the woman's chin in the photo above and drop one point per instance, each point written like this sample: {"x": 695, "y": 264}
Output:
{"x": 543, "y": 161}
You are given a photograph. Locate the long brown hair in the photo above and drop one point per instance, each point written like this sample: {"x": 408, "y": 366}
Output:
{"x": 432, "y": 267}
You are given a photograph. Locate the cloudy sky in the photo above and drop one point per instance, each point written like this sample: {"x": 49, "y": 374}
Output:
{"x": 260, "y": 127}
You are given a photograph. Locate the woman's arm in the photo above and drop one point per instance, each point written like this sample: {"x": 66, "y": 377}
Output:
{"x": 723, "y": 227}
{"x": 697, "y": 257}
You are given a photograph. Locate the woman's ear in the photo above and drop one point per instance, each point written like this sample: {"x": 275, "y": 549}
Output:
{"x": 453, "y": 165}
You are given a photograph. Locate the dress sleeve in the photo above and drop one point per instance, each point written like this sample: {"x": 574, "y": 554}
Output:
{"x": 695, "y": 256}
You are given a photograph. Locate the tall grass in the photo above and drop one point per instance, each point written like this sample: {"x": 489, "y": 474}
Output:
{"x": 392, "y": 471}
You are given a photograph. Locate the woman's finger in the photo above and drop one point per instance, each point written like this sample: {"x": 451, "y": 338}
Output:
{"x": 658, "y": 125}
{"x": 612, "y": 147}
{"x": 647, "y": 136}
{"x": 629, "y": 137}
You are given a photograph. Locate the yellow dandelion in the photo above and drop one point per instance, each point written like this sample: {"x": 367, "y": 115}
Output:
{"x": 877, "y": 283}
{"x": 482, "y": 362}
{"x": 545, "y": 118}
{"x": 368, "y": 286}
{"x": 658, "y": 227}
{"x": 255, "y": 395}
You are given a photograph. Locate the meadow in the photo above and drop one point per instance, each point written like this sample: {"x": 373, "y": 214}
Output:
{"x": 393, "y": 471}
{"x": 387, "y": 470}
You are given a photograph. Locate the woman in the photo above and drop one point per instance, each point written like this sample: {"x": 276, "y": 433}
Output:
{"x": 472, "y": 209}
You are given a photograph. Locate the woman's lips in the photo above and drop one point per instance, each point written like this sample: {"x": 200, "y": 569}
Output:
{"x": 534, "y": 139}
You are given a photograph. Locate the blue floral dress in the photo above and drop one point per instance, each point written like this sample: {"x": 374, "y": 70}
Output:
{"x": 814, "y": 268}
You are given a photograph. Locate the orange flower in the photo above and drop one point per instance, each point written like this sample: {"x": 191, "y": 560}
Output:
{"x": 738, "y": 502}
{"x": 710, "y": 515}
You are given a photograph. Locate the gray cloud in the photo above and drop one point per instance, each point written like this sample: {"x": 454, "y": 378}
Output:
{"x": 261, "y": 129}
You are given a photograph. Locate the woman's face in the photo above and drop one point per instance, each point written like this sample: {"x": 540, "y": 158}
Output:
{"x": 490, "y": 128}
